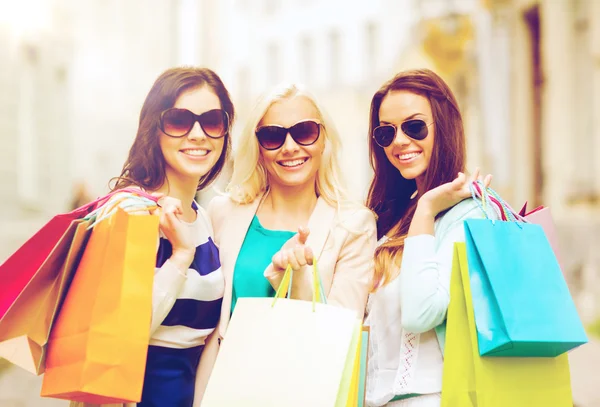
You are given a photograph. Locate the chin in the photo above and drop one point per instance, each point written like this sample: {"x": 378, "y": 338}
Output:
{"x": 411, "y": 174}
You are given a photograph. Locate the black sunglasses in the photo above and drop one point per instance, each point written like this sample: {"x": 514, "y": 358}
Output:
{"x": 179, "y": 122}
{"x": 304, "y": 133}
{"x": 416, "y": 129}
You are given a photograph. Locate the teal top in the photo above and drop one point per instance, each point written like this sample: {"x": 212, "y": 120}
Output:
{"x": 255, "y": 255}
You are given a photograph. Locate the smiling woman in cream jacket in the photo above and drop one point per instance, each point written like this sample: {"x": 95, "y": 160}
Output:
{"x": 286, "y": 204}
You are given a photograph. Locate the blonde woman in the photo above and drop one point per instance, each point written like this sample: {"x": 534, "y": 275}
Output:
{"x": 286, "y": 204}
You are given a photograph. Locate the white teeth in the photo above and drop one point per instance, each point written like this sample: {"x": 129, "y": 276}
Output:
{"x": 292, "y": 163}
{"x": 408, "y": 156}
{"x": 197, "y": 152}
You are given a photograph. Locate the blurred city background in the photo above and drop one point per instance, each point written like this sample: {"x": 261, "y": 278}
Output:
{"x": 74, "y": 75}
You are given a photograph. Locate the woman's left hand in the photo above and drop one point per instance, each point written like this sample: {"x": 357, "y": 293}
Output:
{"x": 449, "y": 194}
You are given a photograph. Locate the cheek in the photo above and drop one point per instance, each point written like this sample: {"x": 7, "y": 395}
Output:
{"x": 166, "y": 144}
{"x": 388, "y": 153}
{"x": 266, "y": 157}
{"x": 219, "y": 144}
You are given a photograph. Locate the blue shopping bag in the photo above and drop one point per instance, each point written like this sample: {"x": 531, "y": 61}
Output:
{"x": 522, "y": 304}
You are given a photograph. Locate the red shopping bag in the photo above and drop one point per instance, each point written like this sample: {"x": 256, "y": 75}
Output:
{"x": 19, "y": 269}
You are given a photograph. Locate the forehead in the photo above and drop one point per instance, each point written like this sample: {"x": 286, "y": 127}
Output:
{"x": 198, "y": 100}
{"x": 289, "y": 111}
{"x": 399, "y": 105}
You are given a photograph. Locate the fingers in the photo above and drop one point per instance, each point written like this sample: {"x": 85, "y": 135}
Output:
{"x": 475, "y": 176}
{"x": 459, "y": 180}
{"x": 488, "y": 180}
{"x": 279, "y": 260}
{"x": 297, "y": 258}
{"x": 302, "y": 236}
{"x": 309, "y": 255}
{"x": 170, "y": 205}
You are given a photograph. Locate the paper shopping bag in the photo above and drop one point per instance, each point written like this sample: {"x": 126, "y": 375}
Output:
{"x": 25, "y": 328}
{"x": 283, "y": 355}
{"x": 98, "y": 345}
{"x": 521, "y": 301}
{"x": 470, "y": 380}
{"x": 16, "y": 272}
{"x": 543, "y": 216}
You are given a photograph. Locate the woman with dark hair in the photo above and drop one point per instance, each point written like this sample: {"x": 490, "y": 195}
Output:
{"x": 421, "y": 196}
{"x": 181, "y": 146}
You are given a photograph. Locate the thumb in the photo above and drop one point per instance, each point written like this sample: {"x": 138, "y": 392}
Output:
{"x": 302, "y": 235}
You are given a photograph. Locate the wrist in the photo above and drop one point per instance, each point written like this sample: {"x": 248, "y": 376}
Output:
{"x": 425, "y": 208}
{"x": 182, "y": 259}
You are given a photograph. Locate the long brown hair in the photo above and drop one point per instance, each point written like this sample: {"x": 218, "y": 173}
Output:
{"x": 145, "y": 166}
{"x": 390, "y": 193}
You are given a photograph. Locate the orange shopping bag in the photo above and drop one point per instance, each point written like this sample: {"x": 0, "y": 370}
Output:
{"x": 98, "y": 345}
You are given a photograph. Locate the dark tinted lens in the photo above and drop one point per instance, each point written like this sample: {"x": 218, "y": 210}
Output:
{"x": 271, "y": 137}
{"x": 415, "y": 129}
{"x": 177, "y": 122}
{"x": 384, "y": 135}
{"x": 305, "y": 133}
{"x": 214, "y": 122}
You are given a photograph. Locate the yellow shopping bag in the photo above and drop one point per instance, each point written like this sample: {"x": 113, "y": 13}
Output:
{"x": 356, "y": 393}
{"x": 98, "y": 345}
{"x": 473, "y": 381}
{"x": 285, "y": 352}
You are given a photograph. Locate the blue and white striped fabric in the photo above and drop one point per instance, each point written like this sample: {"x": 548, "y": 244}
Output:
{"x": 176, "y": 345}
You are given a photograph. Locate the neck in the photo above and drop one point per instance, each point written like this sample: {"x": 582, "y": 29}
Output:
{"x": 180, "y": 188}
{"x": 420, "y": 184}
{"x": 296, "y": 200}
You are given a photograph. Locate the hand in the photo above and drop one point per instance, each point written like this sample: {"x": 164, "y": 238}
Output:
{"x": 294, "y": 252}
{"x": 179, "y": 235}
{"x": 449, "y": 194}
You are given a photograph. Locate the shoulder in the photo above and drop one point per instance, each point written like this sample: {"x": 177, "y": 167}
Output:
{"x": 466, "y": 209}
{"x": 204, "y": 219}
{"x": 356, "y": 218}
{"x": 219, "y": 205}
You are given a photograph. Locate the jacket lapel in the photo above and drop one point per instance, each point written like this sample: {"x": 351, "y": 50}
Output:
{"x": 237, "y": 227}
{"x": 320, "y": 224}
{"x": 243, "y": 217}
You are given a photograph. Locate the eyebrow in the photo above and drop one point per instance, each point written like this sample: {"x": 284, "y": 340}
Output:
{"x": 412, "y": 116}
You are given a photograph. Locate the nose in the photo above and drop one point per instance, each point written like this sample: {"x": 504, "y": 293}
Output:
{"x": 401, "y": 139}
{"x": 196, "y": 133}
{"x": 289, "y": 145}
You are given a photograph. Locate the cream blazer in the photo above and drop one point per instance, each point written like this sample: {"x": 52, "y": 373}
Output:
{"x": 343, "y": 243}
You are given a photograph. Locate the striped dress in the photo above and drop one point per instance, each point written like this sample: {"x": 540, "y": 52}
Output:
{"x": 186, "y": 309}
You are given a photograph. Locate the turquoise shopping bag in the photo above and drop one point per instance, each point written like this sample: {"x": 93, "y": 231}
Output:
{"x": 521, "y": 301}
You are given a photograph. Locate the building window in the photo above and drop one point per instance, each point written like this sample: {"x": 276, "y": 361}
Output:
{"x": 306, "y": 58}
{"x": 335, "y": 55}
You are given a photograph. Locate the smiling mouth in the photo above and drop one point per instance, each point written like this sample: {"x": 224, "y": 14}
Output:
{"x": 408, "y": 156}
{"x": 197, "y": 152}
{"x": 292, "y": 163}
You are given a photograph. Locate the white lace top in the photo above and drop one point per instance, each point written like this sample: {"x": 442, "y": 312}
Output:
{"x": 405, "y": 355}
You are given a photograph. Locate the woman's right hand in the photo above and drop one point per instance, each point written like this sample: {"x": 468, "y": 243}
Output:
{"x": 294, "y": 252}
{"x": 170, "y": 210}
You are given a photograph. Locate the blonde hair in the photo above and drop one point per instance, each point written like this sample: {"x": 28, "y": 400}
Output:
{"x": 249, "y": 177}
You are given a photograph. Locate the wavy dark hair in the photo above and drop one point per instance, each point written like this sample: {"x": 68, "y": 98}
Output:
{"x": 390, "y": 193}
{"x": 145, "y": 165}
